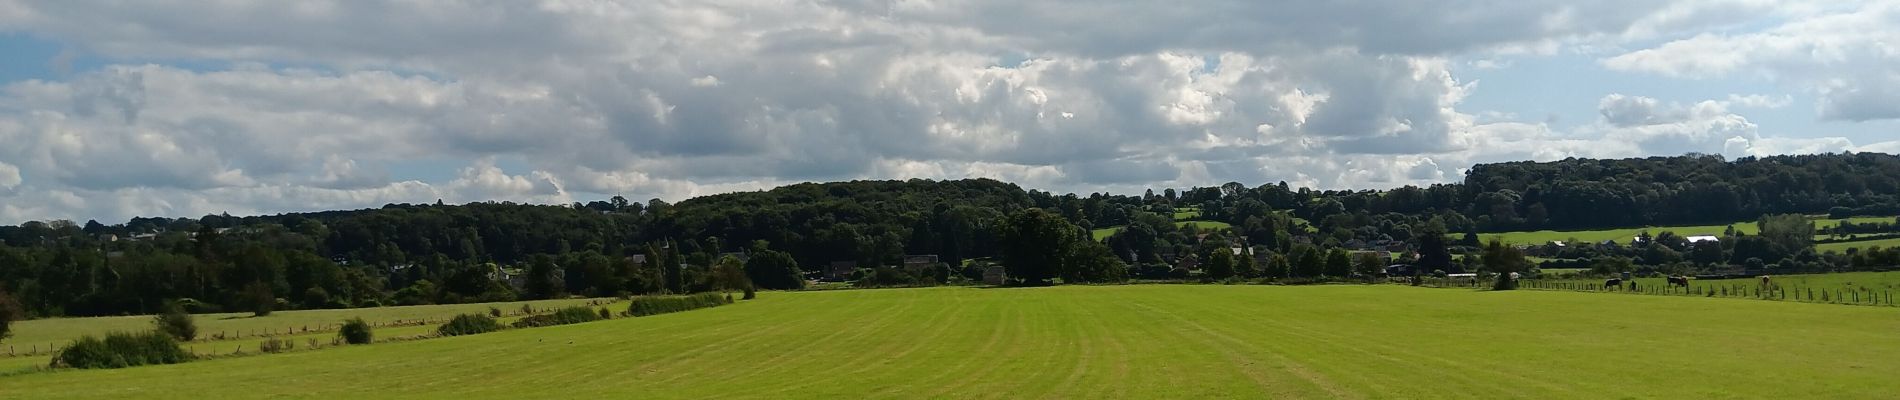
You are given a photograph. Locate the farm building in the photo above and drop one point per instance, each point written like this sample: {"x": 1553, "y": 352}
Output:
{"x": 840, "y": 270}
{"x": 995, "y": 275}
{"x": 1702, "y": 238}
{"x": 915, "y": 263}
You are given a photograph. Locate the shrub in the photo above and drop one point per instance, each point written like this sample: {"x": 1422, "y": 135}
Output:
{"x": 604, "y": 314}
{"x": 494, "y": 312}
{"x": 355, "y": 331}
{"x": 655, "y": 305}
{"x": 175, "y": 322}
{"x": 275, "y": 345}
{"x": 120, "y": 350}
{"x": 469, "y": 324}
{"x": 564, "y": 316}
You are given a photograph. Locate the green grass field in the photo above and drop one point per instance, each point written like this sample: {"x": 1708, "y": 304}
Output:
{"x": 1145, "y": 341}
{"x": 1846, "y": 281}
{"x": 1842, "y": 247}
{"x": 1104, "y": 233}
{"x": 1623, "y": 235}
{"x": 241, "y": 329}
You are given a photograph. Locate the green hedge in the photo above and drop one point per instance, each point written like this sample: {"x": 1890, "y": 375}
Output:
{"x": 120, "y": 350}
{"x": 469, "y": 324}
{"x": 564, "y": 316}
{"x": 655, "y": 305}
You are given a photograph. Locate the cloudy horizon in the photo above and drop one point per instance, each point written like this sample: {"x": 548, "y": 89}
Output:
{"x": 160, "y": 108}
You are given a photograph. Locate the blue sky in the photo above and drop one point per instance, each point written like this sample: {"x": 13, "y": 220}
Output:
{"x": 184, "y": 108}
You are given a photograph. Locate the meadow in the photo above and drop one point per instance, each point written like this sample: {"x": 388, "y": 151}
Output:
{"x": 1623, "y": 235}
{"x": 1841, "y": 247}
{"x": 224, "y": 333}
{"x": 1882, "y": 282}
{"x": 1138, "y": 341}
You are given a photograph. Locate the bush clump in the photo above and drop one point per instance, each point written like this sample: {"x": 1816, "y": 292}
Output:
{"x": 175, "y": 322}
{"x": 275, "y": 345}
{"x": 120, "y": 350}
{"x": 355, "y": 331}
{"x": 564, "y": 316}
{"x": 469, "y": 324}
{"x": 655, "y": 305}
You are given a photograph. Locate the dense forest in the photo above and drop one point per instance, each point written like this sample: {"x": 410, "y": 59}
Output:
{"x": 922, "y": 232}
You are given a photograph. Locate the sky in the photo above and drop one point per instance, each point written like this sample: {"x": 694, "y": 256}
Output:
{"x": 111, "y": 109}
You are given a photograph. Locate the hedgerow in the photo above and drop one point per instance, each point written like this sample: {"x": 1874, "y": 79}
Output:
{"x": 655, "y": 305}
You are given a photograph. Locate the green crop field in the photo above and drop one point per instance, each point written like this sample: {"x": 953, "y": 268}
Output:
{"x": 1146, "y": 341}
{"x": 241, "y": 329}
{"x": 1623, "y": 235}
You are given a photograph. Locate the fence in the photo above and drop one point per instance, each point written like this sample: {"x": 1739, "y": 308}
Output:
{"x": 1771, "y": 291}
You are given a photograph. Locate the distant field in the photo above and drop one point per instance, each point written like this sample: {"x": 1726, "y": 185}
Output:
{"x": 1845, "y": 282}
{"x": 1623, "y": 235}
{"x": 1842, "y": 247}
{"x": 1142, "y": 341}
{"x": 241, "y": 329}
{"x": 1104, "y": 233}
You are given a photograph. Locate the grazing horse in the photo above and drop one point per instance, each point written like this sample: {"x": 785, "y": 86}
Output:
{"x": 1613, "y": 283}
{"x": 1767, "y": 284}
{"x": 1682, "y": 281}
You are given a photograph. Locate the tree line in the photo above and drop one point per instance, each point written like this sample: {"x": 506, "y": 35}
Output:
{"x": 784, "y": 237}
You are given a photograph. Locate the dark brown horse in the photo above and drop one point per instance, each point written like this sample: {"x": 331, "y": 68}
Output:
{"x": 1682, "y": 281}
{"x": 1613, "y": 283}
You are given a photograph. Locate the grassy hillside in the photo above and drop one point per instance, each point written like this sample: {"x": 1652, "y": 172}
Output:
{"x": 1154, "y": 341}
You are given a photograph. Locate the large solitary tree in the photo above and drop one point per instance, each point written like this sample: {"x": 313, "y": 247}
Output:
{"x": 1432, "y": 255}
{"x": 1220, "y": 264}
{"x": 1504, "y": 260}
{"x": 776, "y": 270}
{"x": 1034, "y": 245}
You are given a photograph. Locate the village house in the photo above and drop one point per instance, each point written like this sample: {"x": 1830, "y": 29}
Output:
{"x": 917, "y": 263}
{"x": 840, "y": 271}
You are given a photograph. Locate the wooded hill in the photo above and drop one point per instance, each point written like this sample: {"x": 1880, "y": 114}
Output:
{"x": 414, "y": 254}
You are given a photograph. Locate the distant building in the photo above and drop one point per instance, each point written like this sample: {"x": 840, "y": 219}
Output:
{"x": 1188, "y": 263}
{"x": 1703, "y": 238}
{"x": 840, "y": 270}
{"x": 917, "y": 263}
{"x": 1400, "y": 270}
{"x": 995, "y": 275}
{"x": 638, "y": 260}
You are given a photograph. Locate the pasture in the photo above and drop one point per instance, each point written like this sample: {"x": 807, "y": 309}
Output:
{"x": 1845, "y": 282}
{"x": 1623, "y": 235}
{"x": 242, "y": 329}
{"x": 1842, "y": 247}
{"x": 1145, "y": 341}
{"x": 1200, "y": 226}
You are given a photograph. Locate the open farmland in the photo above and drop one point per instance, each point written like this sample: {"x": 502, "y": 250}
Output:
{"x": 1174, "y": 341}
{"x": 243, "y": 331}
{"x": 1842, "y": 247}
{"x": 1623, "y": 235}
